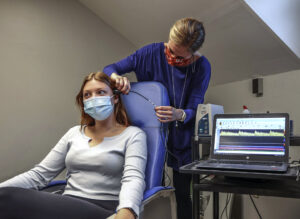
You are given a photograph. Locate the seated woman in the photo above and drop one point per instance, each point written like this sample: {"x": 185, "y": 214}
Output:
{"x": 105, "y": 159}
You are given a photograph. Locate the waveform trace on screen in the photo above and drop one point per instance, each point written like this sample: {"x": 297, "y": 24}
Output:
{"x": 250, "y": 141}
{"x": 252, "y": 133}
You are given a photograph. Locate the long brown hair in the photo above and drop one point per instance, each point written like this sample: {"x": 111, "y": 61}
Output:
{"x": 119, "y": 109}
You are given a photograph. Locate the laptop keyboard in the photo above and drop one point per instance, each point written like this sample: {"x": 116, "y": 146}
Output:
{"x": 245, "y": 162}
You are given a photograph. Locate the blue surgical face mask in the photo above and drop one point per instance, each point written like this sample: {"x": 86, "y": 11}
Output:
{"x": 98, "y": 108}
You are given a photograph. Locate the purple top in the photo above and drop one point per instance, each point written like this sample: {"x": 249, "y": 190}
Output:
{"x": 150, "y": 64}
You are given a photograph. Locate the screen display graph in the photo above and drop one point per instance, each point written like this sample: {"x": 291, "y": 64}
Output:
{"x": 260, "y": 136}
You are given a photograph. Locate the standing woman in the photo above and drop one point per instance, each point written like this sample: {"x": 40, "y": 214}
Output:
{"x": 185, "y": 73}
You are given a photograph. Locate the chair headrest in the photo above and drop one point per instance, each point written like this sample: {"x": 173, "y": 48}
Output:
{"x": 141, "y": 101}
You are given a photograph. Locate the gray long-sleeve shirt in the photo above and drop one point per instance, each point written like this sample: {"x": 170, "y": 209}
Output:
{"x": 111, "y": 170}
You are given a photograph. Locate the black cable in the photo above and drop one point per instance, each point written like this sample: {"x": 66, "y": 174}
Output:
{"x": 150, "y": 101}
{"x": 224, "y": 208}
{"x": 166, "y": 146}
{"x": 294, "y": 162}
{"x": 162, "y": 132}
{"x": 228, "y": 197}
{"x": 227, "y": 207}
{"x": 166, "y": 157}
{"x": 146, "y": 98}
{"x": 255, "y": 207}
{"x": 167, "y": 150}
{"x": 204, "y": 177}
{"x": 168, "y": 177}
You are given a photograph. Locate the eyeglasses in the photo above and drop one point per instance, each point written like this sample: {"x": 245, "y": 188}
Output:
{"x": 178, "y": 57}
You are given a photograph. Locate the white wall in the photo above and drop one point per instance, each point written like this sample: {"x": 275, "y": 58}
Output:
{"x": 280, "y": 94}
{"x": 47, "y": 47}
{"x": 282, "y": 16}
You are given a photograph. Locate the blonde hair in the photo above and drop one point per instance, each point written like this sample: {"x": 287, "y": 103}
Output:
{"x": 188, "y": 32}
{"x": 119, "y": 109}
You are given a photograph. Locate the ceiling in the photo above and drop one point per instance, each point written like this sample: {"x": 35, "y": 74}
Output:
{"x": 238, "y": 44}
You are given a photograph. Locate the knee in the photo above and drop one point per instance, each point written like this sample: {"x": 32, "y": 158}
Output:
{"x": 4, "y": 196}
{"x": 7, "y": 198}
{"x": 7, "y": 194}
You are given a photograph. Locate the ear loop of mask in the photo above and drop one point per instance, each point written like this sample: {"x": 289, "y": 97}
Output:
{"x": 163, "y": 140}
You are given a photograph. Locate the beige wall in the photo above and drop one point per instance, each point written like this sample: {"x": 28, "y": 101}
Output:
{"x": 47, "y": 47}
{"x": 280, "y": 94}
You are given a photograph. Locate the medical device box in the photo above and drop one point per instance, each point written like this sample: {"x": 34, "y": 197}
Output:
{"x": 204, "y": 118}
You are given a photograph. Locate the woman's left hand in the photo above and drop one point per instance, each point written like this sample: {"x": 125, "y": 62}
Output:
{"x": 124, "y": 213}
{"x": 168, "y": 113}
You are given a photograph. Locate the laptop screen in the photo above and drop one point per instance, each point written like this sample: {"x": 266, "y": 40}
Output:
{"x": 250, "y": 136}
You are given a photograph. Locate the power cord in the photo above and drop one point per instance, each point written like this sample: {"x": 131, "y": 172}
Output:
{"x": 228, "y": 198}
{"x": 255, "y": 207}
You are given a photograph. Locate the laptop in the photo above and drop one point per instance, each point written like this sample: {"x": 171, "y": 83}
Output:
{"x": 249, "y": 142}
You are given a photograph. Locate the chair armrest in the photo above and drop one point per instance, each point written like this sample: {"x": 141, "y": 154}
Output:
{"x": 165, "y": 196}
{"x": 156, "y": 192}
{"x": 56, "y": 183}
{"x": 57, "y": 187}
{"x": 147, "y": 194}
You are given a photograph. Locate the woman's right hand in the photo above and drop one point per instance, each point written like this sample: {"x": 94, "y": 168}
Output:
{"x": 122, "y": 83}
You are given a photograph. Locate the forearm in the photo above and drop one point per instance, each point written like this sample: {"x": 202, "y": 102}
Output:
{"x": 110, "y": 69}
{"x": 123, "y": 66}
{"x": 36, "y": 178}
{"x": 133, "y": 179}
{"x": 125, "y": 213}
{"x": 24, "y": 180}
{"x": 45, "y": 171}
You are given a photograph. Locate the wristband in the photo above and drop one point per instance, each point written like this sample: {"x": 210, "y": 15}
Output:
{"x": 183, "y": 116}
